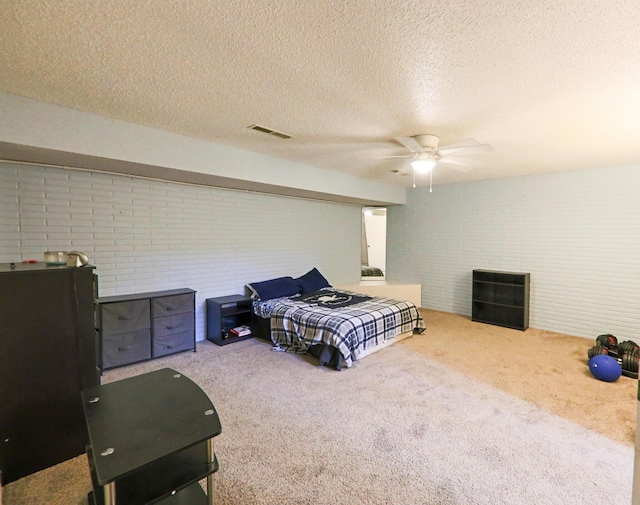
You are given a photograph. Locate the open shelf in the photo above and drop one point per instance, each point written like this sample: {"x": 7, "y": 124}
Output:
{"x": 159, "y": 479}
{"x": 501, "y": 298}
{"x": 224, "y": 313}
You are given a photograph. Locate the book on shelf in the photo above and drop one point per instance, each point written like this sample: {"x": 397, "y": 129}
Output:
{"x": 240, "y": 331}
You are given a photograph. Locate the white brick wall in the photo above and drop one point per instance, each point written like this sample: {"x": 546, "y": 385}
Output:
{"x": 145, "y": 235}
{"x": 577, "y": 233}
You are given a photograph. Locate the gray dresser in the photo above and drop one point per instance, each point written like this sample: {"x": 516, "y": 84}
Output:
{"x": 143, "y": 326}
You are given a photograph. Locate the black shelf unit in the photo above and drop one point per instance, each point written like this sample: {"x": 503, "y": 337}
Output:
{"x": 501, "y": 298}
{"x": 224, "y": 313}
{"x": 47, "y": 357}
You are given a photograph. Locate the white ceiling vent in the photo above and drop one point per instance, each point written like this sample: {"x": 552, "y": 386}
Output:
{"x": 269, "y": 131}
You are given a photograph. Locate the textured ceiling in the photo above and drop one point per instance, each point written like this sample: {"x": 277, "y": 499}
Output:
{"x": 552, "y": 85}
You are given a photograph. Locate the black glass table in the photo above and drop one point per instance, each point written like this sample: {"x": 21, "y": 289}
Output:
{"x": 151, "y": 440}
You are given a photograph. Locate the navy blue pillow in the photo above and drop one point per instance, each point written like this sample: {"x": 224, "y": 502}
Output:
{"x": 312, "y": 281}
{"x": 274, "y": 288}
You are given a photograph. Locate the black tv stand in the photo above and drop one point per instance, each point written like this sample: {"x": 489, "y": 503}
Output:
{"x": 151, "y": 441}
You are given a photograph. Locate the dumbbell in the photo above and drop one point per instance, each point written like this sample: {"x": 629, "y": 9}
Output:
{"x": 630, "y": 363}
{"x": 627, "y": 353}
{"x": 597, "y": 350}
{"x": 627, "y": 346}
{"x": 607, "y": 340}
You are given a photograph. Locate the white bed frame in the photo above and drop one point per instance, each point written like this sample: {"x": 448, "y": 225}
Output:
{"x": 385, "y": 344}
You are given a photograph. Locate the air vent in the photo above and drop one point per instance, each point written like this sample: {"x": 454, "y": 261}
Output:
{"x": 269, "y": 131}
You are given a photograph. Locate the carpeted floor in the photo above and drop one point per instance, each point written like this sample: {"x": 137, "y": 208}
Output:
{"x": 547, "y": 369}
{"x": 464, "y": 414}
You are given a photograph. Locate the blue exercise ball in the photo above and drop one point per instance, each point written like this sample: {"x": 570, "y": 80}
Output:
{"x": 605, "y": 368}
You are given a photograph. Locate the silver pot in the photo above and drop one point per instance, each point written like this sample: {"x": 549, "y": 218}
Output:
{"x": 56, "y": 257}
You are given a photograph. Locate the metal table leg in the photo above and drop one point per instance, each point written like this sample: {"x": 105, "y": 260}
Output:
{"x": 211, "y": 490}
{"x": 635, "y": 496}
{"x": 110, "y": 494}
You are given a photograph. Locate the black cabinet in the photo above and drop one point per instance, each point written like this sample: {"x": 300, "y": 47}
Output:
{"x": 225, "y": 313}
{"x": 151, "y": 440}
{"x": 501, "y": 298}
{"x": 47, "y": 357}
{"x": 143, "y": 326}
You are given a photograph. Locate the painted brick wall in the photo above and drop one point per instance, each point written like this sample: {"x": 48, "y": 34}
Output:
{"x": 577, "y": 233}
{"x": 145, "y": 235}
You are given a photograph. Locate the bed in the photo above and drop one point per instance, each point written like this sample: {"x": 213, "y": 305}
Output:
{"x": 307, "y": 315}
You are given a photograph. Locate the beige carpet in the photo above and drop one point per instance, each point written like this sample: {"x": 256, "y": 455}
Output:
{"x": 463, "y": 414}
{"x": 547, "y": 369}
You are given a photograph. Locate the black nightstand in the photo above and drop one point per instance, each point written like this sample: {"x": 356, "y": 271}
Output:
{"x": 224, "y": 313}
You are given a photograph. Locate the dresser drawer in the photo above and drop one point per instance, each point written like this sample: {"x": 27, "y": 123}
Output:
{"x": 124, "y": 317}
{"x": 173, "y": 324}
{"x": 168, "y": 344}
{"x": 141, "y": 326}
{"x": 125, "y": 348}
{"x": 172, "y": 305}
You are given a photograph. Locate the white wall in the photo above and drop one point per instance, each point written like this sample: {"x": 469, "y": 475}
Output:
{"x": 47, "y": 126}
{"x": 145, "y": 235}
{"x": 577, "y": 233}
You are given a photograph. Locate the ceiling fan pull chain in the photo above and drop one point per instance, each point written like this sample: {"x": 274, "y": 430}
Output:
{"x": 414, "y": 177}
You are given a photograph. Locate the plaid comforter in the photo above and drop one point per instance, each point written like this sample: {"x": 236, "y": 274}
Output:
{"x": 296, "y": 325}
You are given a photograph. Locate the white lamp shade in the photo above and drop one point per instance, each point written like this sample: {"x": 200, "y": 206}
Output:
{"x": 423, "y": 166}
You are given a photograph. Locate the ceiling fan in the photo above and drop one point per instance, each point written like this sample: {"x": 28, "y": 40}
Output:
{"x": 425, "y": 153}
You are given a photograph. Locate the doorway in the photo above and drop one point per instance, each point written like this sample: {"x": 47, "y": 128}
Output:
{"x": 374, "y": 243}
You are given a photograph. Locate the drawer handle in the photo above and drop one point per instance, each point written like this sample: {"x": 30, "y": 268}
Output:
{"x": 126, "y": 348}
{"x": 169, "y": 327}
{"x": 170, "y": 308}
{"x": 122, "y": 318}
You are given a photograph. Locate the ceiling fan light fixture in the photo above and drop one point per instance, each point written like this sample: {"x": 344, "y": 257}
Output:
{"x": 423, "y": 166}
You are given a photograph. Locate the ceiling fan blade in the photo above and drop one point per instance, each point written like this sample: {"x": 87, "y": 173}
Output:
{"x": 463, "y": 143}
{"x": 468, "y": 146}
{"x": 469, "y": 151}
{"x": 462, "y": 164}
{"x": 410, "y": 143}
{"x": 392, "y": 157}
{"x": 469, "y": 162}
{"x": 457, "y": 168}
